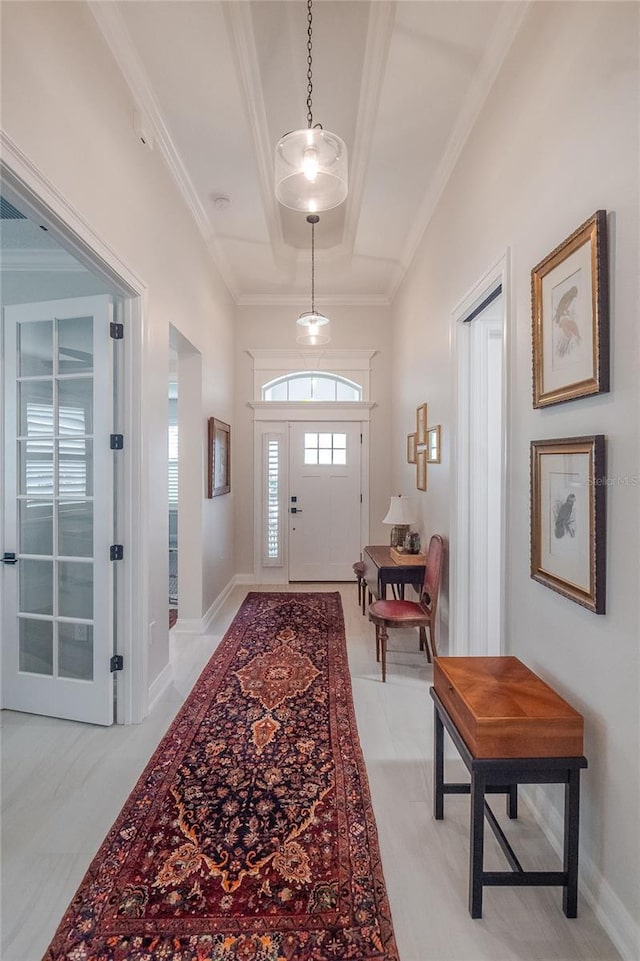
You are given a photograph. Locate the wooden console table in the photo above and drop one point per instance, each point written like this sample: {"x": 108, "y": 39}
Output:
{"x": 381, "y": 570}
{"x": 509, "y": 728}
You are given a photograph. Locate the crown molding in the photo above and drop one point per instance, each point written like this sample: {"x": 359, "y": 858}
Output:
{"x": 380, "y": 29}
{"x": 302, "y": 300}
{"x": 505, "y": 30}
{"x": 118, "y": 39}
{"x": 313, "y": 358}
{"x": 53, "y": 261}
{"x": 243, "y": 45}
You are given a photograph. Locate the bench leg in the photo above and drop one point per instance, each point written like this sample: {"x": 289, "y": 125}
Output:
{"x": 571, "y": 828}
{"x": 512, "y": 801}
{"x": 476, "y": 845}
{"x": 438, "y": 766}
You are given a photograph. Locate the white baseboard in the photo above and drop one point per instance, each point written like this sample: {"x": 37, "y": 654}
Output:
{"x": 217, "y": 604}
{"x": 621, "y": 927}
{"x": 246, "y": 579}
{"x": 163, "y": 681}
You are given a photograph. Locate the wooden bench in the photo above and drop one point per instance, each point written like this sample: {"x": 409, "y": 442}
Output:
{"x": 509, "y": 728}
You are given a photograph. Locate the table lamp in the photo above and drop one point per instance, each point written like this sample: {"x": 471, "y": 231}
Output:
{"x": 401, "y": 515}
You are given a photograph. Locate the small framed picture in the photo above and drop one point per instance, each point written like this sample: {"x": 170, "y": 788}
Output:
{"x": 421, "y": 470}
{"x": 411, "y": 448}
{"x": 421, "y": 424}
{"x": 570, "y": 315}
{"x": 568, "y": 487}
{"x": 219, "y": 458}
{"x": 433, "y": 445}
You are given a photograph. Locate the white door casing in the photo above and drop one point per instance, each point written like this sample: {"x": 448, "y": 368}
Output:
{"x": 324, "y": 500}
{"x": 478, "y": 506}
{"x": 58, "y": 509}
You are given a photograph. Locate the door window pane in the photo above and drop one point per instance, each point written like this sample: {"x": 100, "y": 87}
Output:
{"x": 36, "y": 408}
{"x": 75, "y": 528}
{"x": 75, "y": 590}
{"x": 75, "y": 466}
{"x": 75, "y": 345}
{"x": 325, "y": 448}
{"x": 35, "y": 348}
{"x": 75, "y": 406}
{"x": 36, "y": 587}
{"x": 36, "y": 646}
{"x": 75, "y": 651}
{"x": 36, "y": 466}
{"x": 36, "y": 527}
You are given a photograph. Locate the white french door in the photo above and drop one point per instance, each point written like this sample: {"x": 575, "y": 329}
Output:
{"x": 324, "y": 500}
{"x": 58, "y": 509}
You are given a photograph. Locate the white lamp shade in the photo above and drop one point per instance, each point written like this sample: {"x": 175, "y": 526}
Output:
{"x": 400, "y": 511}
{"x": 311, "y": 170}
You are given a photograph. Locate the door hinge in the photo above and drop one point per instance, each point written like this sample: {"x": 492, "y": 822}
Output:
{"x": 9, "y": 558}
{"x": 116, "y": 663}
{"x": 116, "y": 441}
{"x": 361, "y": 498}
{"x": 360, "y": 438}
{"x": 116, "y": 552}
{"x": 116, "y": 331}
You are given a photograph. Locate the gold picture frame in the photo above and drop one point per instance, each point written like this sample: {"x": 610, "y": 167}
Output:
{"x": 570, "y": 317}
{"x": 433, "y": 445}
{"x": 421, "y": 469}
{"x": 421, "y": 424}
{"x": 568, "y": 532}
{"x": 411, "y": 448}
{"x": 219, "y": 457}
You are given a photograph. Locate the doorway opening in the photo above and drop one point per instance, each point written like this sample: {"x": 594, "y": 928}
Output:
{"x": 61, "y": 365}
{"x": 63, "y": 248}
{"x": 478, "y": 524}
{"x": 173, "y": 445}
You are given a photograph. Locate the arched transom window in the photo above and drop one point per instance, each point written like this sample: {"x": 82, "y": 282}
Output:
{"x": 311, "y": 385}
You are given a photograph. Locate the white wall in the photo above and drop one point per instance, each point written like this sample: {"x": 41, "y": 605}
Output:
{"x": 66, "y": 107}
{"x": 557, "y": 139}
{"x": 274, "y": 327}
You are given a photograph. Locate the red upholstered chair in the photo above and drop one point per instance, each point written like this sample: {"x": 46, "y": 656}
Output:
{"x": 420, "y": 614}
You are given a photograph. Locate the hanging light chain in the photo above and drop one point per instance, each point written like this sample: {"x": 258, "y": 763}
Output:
{"x": 313, "y": 267}
{"x": 309, "y": 66}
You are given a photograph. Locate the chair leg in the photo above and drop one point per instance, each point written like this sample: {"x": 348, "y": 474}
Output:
{"x": 424, "y": 646}
{"x": 359, "y": 591}
{"x": 384, "y": 634}
{"x": 364, "y": 597}
{"x": 432, "y": 638}
{"x": 377, "y": 643}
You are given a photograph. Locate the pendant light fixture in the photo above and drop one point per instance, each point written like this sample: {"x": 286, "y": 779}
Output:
{"x": 312, "y": 326}
{"x": 311, "y": 164}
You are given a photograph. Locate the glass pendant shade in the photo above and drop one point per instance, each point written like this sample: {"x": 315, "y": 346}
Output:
{"x": 312, "y": 329}
{"x": 311, "y": 170}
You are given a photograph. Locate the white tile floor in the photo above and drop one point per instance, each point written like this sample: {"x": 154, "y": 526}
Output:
{"x": 64, "y": 783}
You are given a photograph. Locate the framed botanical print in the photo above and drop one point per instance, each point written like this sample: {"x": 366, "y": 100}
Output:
{"x": 568, "y": 486}
{"x": 570, "y": 315}
{"x": 421, "y": 469}
{"x": 411, "y": 448}
{"x": 421, "y": 424}
{"x": 219, "y": 458}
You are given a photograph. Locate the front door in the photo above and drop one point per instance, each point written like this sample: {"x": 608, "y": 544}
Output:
{"x": 58, "y": 510}
{"x": 324, "y": 500}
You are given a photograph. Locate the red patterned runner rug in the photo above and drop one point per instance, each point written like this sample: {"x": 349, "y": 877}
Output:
{"x": 250, "y": 835}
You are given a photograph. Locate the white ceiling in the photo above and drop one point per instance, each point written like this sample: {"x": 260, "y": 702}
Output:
{"x": 218, "y": 83}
